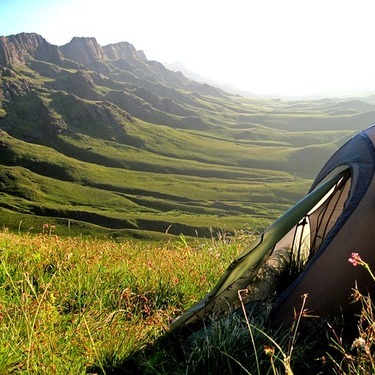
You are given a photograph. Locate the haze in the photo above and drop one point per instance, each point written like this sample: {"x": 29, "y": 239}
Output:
{"x": 268, "y": 47}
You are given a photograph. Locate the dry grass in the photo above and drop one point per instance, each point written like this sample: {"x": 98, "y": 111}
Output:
{"x": 71, "y": 304}
{"x": 79, "y": 305}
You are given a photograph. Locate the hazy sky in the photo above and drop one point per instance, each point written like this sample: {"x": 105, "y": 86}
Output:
{"x": 290, "y": 47}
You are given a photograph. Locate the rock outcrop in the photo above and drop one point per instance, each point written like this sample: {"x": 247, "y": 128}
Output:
{"x": 82, "y": 68}
{"x": 16, "y": 49}
{"x": 119, "y": 61}
{"x": 123, "y": 51}
{"x": 85, "y": 51}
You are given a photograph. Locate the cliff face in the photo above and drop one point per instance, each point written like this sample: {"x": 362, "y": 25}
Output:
{"x": 123, "y": 51}
{"x": 11, "y": 86}
{"x": 116, "y": 73}
{"x": 112, "y": 57}
{"x": 16, "y": 49}
{"x": 119, "y": 62}
{"x": 85, "y": 51}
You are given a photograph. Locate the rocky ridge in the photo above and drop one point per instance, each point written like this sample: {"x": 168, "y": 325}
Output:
{"x": 114, "y": 59}
{"x": 17, "y": 49}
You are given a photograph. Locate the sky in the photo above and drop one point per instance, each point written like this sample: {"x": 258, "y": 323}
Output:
{"x": 267, "y": 47}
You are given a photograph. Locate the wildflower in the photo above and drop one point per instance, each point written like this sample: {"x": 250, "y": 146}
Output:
{"x": 355, "y": 259}
{"x": 359, "y": 342}
{"x": 68, "y": 256}
{"x": 269, "y": 350}
{"x": 323, "y": 359}
{"x": 356, "y": 295}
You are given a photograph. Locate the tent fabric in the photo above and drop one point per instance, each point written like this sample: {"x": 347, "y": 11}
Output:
{"x": 328, "y": 277}
{"x": 319, "y": 233}
{"x": 245, "y": 268}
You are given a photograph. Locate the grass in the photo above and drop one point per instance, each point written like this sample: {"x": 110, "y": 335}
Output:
{"x": 74, "y": 303}
{"x": 78, "y": 305}
{"x": 359, "y": 357}
{"x": 80, "y": 146}
{"x": 44, "y": 180}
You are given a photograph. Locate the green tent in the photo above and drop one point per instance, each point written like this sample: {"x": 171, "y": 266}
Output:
{"x": 311, "y": 243}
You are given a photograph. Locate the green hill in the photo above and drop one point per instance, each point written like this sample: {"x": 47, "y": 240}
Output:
{"x": 101, "y": 140}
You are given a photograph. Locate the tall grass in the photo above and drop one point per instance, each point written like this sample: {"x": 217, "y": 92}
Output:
{"x": 71, "y": 304}
{"x": 79, "y": 305}
{"x": 359, "y": 357}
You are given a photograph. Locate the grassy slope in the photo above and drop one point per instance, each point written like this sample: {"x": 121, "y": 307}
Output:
{"x": 210, "y": 162}
{"x": 76, "y": 306}
{"x": 70, "y": 304}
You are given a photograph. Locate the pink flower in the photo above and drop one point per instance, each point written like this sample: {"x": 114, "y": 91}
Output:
{"x": 355, "y": 259}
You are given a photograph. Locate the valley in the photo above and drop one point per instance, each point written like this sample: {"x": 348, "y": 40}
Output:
{"x": 99, "y": 140}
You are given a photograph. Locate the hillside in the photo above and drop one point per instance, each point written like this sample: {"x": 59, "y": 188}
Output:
{"x": 99, "y": 138}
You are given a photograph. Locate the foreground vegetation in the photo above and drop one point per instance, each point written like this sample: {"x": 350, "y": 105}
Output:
{"x": 77, "y": 305}
{"x": 71, "y": 304}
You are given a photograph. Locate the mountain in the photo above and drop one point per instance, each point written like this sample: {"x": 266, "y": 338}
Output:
{"x": 99, "y": 139}
{"x": 228, "y": 87}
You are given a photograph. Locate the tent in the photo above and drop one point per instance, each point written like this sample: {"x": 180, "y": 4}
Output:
{"x": 310, "y": 243}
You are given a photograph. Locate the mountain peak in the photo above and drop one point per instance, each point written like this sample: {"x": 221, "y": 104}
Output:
{"x": 120, "y": 61}
{"x": 123, "y": 50}
{"x": 16, "y": 49}
{"x": 83, "y": 50}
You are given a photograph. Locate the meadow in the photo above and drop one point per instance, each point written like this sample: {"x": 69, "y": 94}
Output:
{"x": 80, "y": 305}
{"x": 71, "y": 304}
